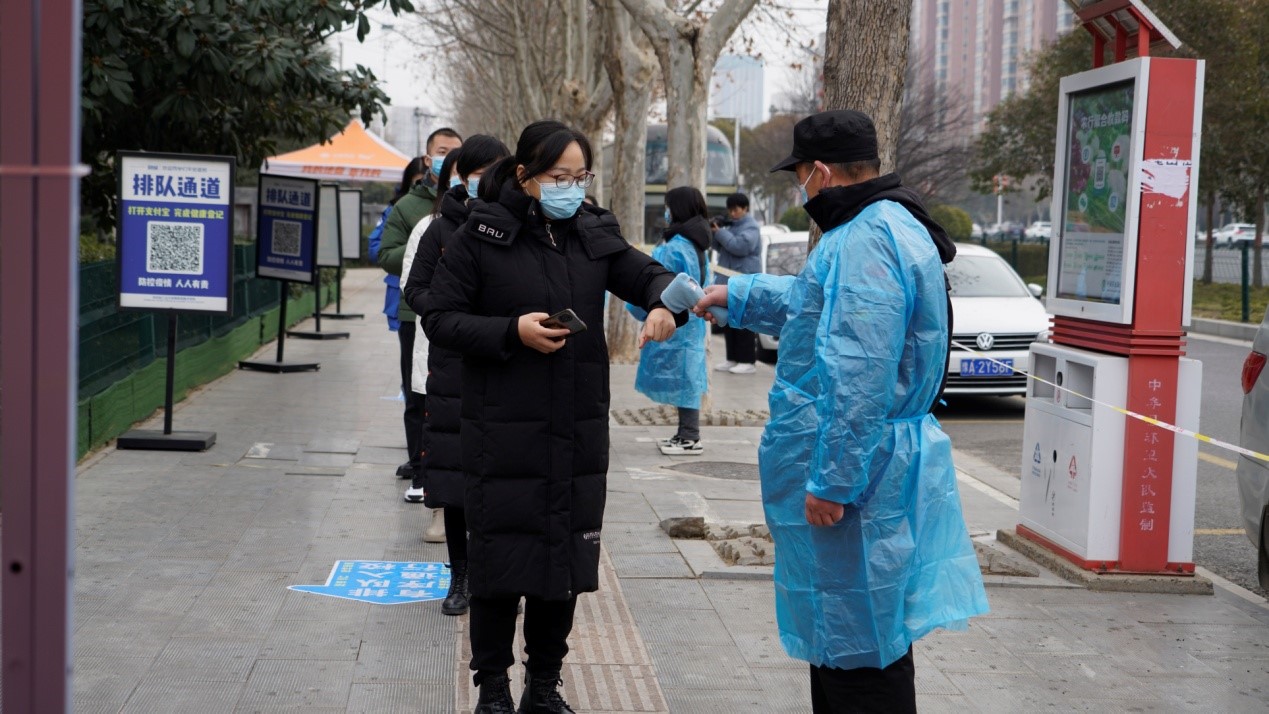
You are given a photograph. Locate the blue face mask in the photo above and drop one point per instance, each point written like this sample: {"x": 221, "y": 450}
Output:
{"x": 473, "y": 186}
{"x": 436, "y": 165}
{"x": 802, "y": 188}
{"x": 455, "y": 181}
{"x": 667, "y": 216}
{"x": 560, "y": 203}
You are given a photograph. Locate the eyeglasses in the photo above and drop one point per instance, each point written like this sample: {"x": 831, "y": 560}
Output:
{"x": 569, "y": 181}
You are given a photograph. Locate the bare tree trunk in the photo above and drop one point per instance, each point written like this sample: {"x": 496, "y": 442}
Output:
{"x": 865, "y": 61}
{"x": 1211, "y": 239}
{"x": 687, "y": 48}
{"x": 687, "y": 105}
{"x": 630, "y": 66}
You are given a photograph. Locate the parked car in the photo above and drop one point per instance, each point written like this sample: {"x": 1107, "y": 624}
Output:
{"x": 999, "y": 316}
{"x": 1005, "y": 231}
{"x": 782, "y": 254}
{"x": 1039, "y": 231}
{"x": 976, "y": 231}
{"x": 1253, "y": 475}
{"x": 1232, "y": 233}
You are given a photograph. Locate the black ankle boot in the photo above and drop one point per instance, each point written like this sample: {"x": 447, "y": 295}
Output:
{"x": 542, "y": 696}
{"x": 495, "y": 695}
{"x": 456, "y": 600}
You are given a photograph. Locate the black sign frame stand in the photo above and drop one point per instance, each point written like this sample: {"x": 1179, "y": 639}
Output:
{"x": 339, "y": 313}
{"x": 167, "y": 440}
{"x": 279, "y": 366}
{"x": 316, "y": 333}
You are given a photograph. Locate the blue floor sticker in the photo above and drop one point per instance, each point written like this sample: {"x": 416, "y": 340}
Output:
{"x": 383, "y": 582}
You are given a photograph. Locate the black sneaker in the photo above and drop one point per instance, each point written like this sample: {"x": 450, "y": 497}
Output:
{"x": 682, "y": 447}
{"x": 405, "y": 470}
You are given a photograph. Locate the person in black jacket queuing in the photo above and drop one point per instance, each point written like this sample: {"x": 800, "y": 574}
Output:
{"x": 442, "y": 455}
{"x": 535, "y": 399}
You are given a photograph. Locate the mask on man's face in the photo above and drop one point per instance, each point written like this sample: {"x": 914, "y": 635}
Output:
{"x": 802, "y": 187}
{"x": 437, "y": 161}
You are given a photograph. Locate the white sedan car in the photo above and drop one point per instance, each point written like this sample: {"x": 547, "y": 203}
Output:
{"x": 1232, "y": 234}
{"x": 782, "y": 254}
{"x": 1253, "y": 475}
{"x": 997, "y": 316}
{"x": 1039, "y": 231}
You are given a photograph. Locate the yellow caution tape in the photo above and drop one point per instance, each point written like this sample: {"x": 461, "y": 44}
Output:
{"x": 1127, "y": 412}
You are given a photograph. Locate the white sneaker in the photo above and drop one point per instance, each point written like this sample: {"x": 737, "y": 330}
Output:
{"x": 664, "y": 440}
{"x": 682, "y": 447}
{"x": 435, "y": 532}
{"x": 724, "y": 366}
{"x": 743, "y": 368}
{"x": 413, "y": 495}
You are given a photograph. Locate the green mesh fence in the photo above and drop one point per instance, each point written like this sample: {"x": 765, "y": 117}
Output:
{"x": 122, "y": 354}
{"x": 114, "y": 343}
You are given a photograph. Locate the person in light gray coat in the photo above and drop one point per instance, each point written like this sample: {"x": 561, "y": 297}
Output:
{"x": 739, "y": 245}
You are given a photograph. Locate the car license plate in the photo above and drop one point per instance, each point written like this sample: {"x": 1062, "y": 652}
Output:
{"x": 986, "y": 368}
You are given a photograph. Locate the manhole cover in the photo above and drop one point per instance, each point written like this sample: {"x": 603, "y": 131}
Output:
{"x": 719, "y": 469}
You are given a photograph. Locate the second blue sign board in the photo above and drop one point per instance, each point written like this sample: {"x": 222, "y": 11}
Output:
{"x": 286, "y": 246}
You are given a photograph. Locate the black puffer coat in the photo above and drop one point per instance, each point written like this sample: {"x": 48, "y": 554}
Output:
{"x": 534, "y": 426}
{"x": 442, "y": 454}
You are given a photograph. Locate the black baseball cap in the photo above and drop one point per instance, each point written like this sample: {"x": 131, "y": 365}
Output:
{"x": 835, "y": 137}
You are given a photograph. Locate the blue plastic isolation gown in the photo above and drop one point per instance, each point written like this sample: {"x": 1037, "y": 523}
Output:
{"x": 673, "y": 372}
{"x": 863, "y": 339}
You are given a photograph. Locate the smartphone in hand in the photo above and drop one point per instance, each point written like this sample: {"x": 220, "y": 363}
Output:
{"x": 565, "y": 319}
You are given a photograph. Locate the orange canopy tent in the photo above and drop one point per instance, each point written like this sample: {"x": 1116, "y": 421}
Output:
{"x": 354, "y": 154}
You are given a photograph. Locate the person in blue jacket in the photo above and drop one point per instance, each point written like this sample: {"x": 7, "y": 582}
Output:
{"x": 673, "y": 372}
{"x": 858, "y": 485}
{"x": 414, "y": 172}
{"x": 739, "y": 247}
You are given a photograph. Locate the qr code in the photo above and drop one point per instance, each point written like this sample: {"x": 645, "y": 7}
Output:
{"x": 174, "y": 248}
{"x": 286, "y": 238}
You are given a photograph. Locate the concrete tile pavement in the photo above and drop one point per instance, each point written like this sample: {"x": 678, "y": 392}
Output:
{"x": 183, "y": 562}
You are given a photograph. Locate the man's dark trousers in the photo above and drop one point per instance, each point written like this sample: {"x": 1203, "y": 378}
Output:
{"x": 413, "y": 400}
{"x": 866, "y": 690}
{"x": 741, "y": 345}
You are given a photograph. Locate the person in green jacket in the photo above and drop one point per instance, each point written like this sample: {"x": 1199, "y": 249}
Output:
{"x": 408, "y": 211}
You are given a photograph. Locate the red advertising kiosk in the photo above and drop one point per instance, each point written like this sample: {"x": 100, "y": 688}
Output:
{"x": 1106, "y": 491}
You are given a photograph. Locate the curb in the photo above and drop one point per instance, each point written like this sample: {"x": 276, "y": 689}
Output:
{"x": 1224, "y": 328}
{"x": 1105, "y": 582}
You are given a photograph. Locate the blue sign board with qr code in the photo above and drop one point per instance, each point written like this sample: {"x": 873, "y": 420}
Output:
{"x": 383, "y": 582}
{"x": 286, "y": 235}
{"x": 175, "y": 232}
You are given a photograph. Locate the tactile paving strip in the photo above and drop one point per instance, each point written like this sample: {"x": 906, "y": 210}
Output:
{"x": 608, "y": 668}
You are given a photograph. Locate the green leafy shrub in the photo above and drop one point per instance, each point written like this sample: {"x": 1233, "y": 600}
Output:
{"x": 954, "y": 220}
{"x": 796, "y": 219}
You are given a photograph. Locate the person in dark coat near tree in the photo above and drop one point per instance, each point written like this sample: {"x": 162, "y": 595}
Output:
{"x": 535, "y": 399}
{"x": 442, "y": 455}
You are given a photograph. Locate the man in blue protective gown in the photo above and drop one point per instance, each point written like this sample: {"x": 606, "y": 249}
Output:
{"x": 858, "y": 486}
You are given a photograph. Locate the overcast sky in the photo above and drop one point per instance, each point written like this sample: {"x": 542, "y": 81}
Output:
{"x": 405, "y": 77}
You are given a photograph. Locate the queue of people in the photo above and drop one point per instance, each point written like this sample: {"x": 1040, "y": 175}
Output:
{"x": 503, "y": 264}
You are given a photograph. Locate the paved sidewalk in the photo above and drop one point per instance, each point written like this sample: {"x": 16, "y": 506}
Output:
{"x": 183, "y": 561}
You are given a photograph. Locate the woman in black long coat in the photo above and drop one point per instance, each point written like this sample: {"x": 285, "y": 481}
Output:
{"x": 442, "y": 456}
{"x": 535, "y": 399}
